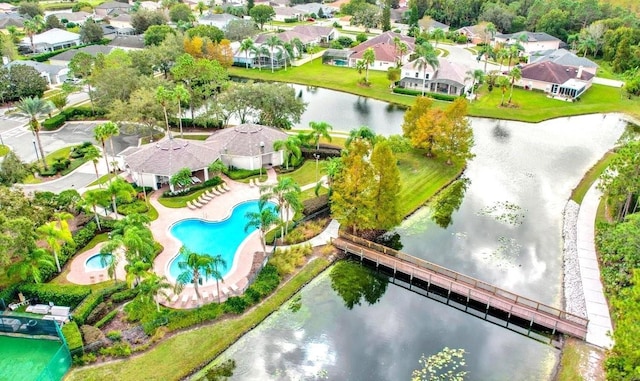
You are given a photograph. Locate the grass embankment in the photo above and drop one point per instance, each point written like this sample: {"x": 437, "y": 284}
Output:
{"x": 579, "y": 361}
{"x": 532, "y": 106}
{"x": 180, "y": 201}
{"x": 103, "y": 179}
{"x": 306, "y": 173}
{"x": 209, "y": 340}
{"x": 591, "y": 176}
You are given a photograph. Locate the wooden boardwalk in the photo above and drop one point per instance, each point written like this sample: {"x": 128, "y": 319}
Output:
{"x": 472, "y": 289}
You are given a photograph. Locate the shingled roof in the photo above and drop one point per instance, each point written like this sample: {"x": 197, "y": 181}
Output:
{"x": 245, "y": 140}
{"x": 387, "y": 38}
{"x": 169, "y": 155}
{"x": 383, "y": 52}
{"x": 561, "y": 57}
{"x": 552, "y": 72}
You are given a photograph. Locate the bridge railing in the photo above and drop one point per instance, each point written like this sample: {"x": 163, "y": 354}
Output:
{"x": 473, "y": 282}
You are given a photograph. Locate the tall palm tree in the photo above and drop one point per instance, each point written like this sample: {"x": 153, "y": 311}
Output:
{"x": 291, "y": 147}
{"x": 298, "y": 45}
{"x": 33, "y": 27}
{"x": 476, "y": 77}
{"x": 109, "y": 250}
{"x": 333, "y": 168}
{"x": 218, "y": 262}
{"x": 272, "y": 42}
{"x": 193, "y": 268}
{"x": 31, "y": 265}
{"x": 362, "y": 132}
{"x": 33, "y": 107}
{"x": 111, "y": 130}
{"x": 503, "y": 83}
{"x": 487, "y": 52}
{"x": 138, "y": 243}
{"x": 180, "y": 94}
{"x": 514, "y": 75}
{"x": 119, "y": 188}
{"x": 320, "y": 130}
{"x": 247, "y": 46}
{"x": 136, "y": 272}
{"x": 55, "y": 235}
{"x": 489, "y": 32}
{"x": 154, "y": 286}
{"x": 217, "y": 167}
{"x": 427, "y": 56}
{"x": 262, "y": 220}
{"x": 368, "y": 58}
{"x": 163, "y": 97}
{"x": 100, "y": 133}
{"x": 93, "y": 198}
{"x": 93, "y": 154}
{"x": 287, "y": 194}
{"x": 514, "y": 51}
{"x": 437, "y": 35}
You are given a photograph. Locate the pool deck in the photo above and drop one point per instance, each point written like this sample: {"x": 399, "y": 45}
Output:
{"x": 78, "y": 274}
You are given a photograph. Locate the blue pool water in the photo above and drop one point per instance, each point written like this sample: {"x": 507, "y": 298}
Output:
{"x": 214, "y": 238}
{"x": 98, "y": 262}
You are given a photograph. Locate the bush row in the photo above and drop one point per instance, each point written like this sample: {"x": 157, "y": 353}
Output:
{"x": 195, "y": 123}
{"x": 287, "y": 260}
{"x": 212, "y": 182}
{"x": 87, "y": 306}
{"x": 54, "y": 122}
{"x": 438, "y": 96}
{"x": 9, "y": 294}
{"x": 324, "y": 152}
{"x": 73, "y": 113}
{"x": 73, "y": 336}
{"x": 106, "y": 319}
{"x": 125, "y": 295}
{"x": 239, "y": 174}
{"x": 61, "y": 295}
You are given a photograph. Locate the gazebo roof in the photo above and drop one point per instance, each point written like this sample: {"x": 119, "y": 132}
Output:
{"x": 169, "y": 155}
{"x": 245, "y": 140}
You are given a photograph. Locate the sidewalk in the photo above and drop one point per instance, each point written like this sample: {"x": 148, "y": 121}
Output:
{"x": 597, "y": 308}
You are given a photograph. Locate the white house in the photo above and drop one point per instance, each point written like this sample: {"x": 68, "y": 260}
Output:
{"x": 530, "y": 41}
{"x": 64, "y": 58}
{"x": 220, "y": 21}
{"x": 448, "y": 77}
{"x": 284, "y": 13}
{"x": 54, "y": 74}
{"x": 51, "y": 40}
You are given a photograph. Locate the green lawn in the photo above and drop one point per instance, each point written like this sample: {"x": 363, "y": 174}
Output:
{"x": 306, "y": 174}
{"x": 591, "y": 176}
{"x": 195, "y": 137}
{"x": 4, "y": 150}
{"x": 180, "y": 201}
{"x": 175, "y": 357}
{"x": 103, "y": 179}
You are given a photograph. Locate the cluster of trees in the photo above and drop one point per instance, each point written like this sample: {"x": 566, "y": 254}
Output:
{"x": 20, "y": 81}
{"x": 444, "y": 133}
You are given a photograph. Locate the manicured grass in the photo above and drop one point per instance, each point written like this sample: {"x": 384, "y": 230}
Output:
{"x": 421, "y": 178}
{"x": 310, "y": 193}
{"x": 169, "y": 360}
{"x": 4, "y": 150}
{"x": 591, "y": 176}
{"x": 103, "y": 179}
{"x": 152, "y": 213}
{"x": 534, "y": 106}
{"x": 290, "y": 24}
{"x": 195, "y": 137}
{"x": 306, "y": 173}
{"x": 570, "y": 362}
{"x": 180, "y": 201}
{"x": 605, "y": 70}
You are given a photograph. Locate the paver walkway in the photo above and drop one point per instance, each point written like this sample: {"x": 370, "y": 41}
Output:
{"x": 597, "y": 308}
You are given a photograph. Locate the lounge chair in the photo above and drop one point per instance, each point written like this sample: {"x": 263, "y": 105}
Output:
{"x": 185, "y": 299}
{"x": 234, "y": 289}
{"x": 225, "y": 187}
{"x": 210, "y": 194}
{"x": 205, "y": 295}
{"x": 195, "y": 179}
{"x": 252, "y": 183}
{"x": 194, "y": 299}
{"x": 205, "y": 197}
{"x": 224, "y": 291}
{"x": 196, "y": 204}
{"x": 220, "y": 189}
{"x": 191, "y": 206}
{"x": 215, "y": 192}
{"x": 174, "y": 299}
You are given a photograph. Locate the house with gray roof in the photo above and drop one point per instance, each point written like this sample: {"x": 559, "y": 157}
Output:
{"x": 246, "y": 146}
{"x": 220, "y": 21}
{"x": 74, "y": 17}
{"x": 111, "y": 8}
{"x": 565, "y": 58}
{"x": 6, "y": 7}
{"x": 285, "y": 13}
{"x": 530, "y": 41}
{"x": 427, "y": 24}
{"x": 51, "y": 40}
{"x": 314, "y": 8}
{"x": 11, "y": 19}
{"x": 448, "y": 78}
{"x": 127, "y": 42}
{"x": 54, "y": 74}
{"x": 64, "y": 58}
{"x": 386, "y": 50}
{"x": 558, "y": 81}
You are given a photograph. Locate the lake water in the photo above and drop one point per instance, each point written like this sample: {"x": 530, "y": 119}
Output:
{"x": 507, "y": 232}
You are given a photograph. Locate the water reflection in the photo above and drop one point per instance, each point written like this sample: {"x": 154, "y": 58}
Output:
{"x": 355, "y": 283}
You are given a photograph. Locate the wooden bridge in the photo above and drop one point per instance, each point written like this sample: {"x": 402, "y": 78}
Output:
{"x": 475, "y": 291}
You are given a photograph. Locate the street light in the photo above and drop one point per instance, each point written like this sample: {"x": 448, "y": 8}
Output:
{"x": 36, "y": 149}
{"x": 261, "y": 154}
{"x": 317, "y": 156}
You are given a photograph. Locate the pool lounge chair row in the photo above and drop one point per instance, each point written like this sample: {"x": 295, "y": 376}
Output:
{"x": 207, "y": 196}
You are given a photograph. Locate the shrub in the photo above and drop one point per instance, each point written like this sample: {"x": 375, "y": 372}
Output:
{"x": 8, "y": 294}
{"x": 82, "y": 236}
{"x": 54, "y": 122}
{"x": 85, "y": 359}
{"x": 290, "y": 20}
{"x": 73, "y": 336}
{"x": 179, "y": 319}
{"x": 438, "y": 96}
{"x": 61, "y": 295}
{"x": 84, "y": 113}
{"x": 125, "y": 295}
{"x": 48, "y": 172}
{"x": 98, "y": 312}
{"x": 314, "y": 205}
{"x": 114, "y": 335}
{"x": 119, "y": 349}
{"x": 194, "y": 188}
{"x": 134, "y": 207}
{"x": 238, "y": 174}
{"x": 83, "y": 310}
{"x": 80, "y": 150}
{"x": 92, "y": 335}
{"x": 60, "y": 164}
{"x": 361, "y": 37}
{"x": 266, "y": 281}
{"x": 106, "y": 319}
{"x": 287, "y": 260}
{"x": 197, "y": 123}
{"x": 235, "y": 305}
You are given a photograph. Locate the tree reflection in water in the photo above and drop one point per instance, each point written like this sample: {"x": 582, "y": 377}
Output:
{"x": 354, "y": 282}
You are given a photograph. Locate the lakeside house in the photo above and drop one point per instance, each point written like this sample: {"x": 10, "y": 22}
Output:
{"x": 386, "y": 50}
{"x": 448, "y": 78}
{"x": 220, "y": 21}
{"x": 64, "y": 58}
{"x": 558, "y": 81}
{"x": 530, "y": 41}
{"x": 565, "y": 58}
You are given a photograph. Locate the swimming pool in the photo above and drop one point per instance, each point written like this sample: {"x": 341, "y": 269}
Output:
{"x": 213, "y": 238}
{"x": 98, "y": 262}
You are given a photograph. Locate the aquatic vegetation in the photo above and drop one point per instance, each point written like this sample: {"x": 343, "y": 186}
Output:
{"x": 506, "y": 253}
{"x": 505, "y": 212}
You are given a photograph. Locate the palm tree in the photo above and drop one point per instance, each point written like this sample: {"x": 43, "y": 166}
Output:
{"x": 138, "y": 243}
{"x": 272, "y": 42}
{"x": 100, "y": 133}
{"x": 287, "y": 194}
{"x": 489, "y": 32}
{"x": 514, "y": 51}
{"x": 119, "y": 188}
{"x": 320, "y": 129}
{"x": 360, "y": 66}
{"x": 152, "y": 287}
{"x": 437, "y": 35}
{"x": 180, "y": 94}
{"x": 362, "y": 132}
{"x": 111, "y": 130}
{"x": 368, "y": 58}
{"x": 487, "y": 52}
{"x": 193, "y": 267}
{"x": 247, "y": 46}
{"x": 262, "y": 219}
{"x": 476, "y": 76}
{"x": 298, "y": 45}
{"x": 515, "y": 74}
{"x": 93, "y": 154}
{"x": 109, "y": 250}
{"x": 501, "y": 54}
{"x": 587, "y": 43}
{"x": 201, "y": 7}
{"x": 503, "y": 83}
{"x": 136, "y": 272}
{"x": 216, "y": 274}
{"x": 217, "y": 167}
{"x": 427, "y": 56}
{"x": 164, "y": 96}
{"x": 30, "y": 266}
{"x": 55, "y": 233}
{"x": 291, "y": 147}
{"x": 93, "y": 198}
{"x": 33, "y": 107}
{"x": 333, "y": 168}
{"x": 32, "y": 27}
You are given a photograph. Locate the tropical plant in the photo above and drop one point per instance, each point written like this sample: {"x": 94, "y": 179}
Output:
{"x": 291, "y": 147}
{"x": 33, "y": 107}
{"x": 487, "y": 52}
{"x": 164, "y": 96}
{"x": 217, "y": 167}
{"x": 503, "y": 83}
{"x": 33, "y": 27}
{"x": 437, "y": 35}
{"x": 218, "y": 262}
{"x": 93, "y": 198}
{"x": 262, "y": 220}
{"x": 362, "y": 132}
{"x": 109, "y": 257}
{"x": 93, "y": 154}
{"x": 320, "y": 130}
{"x": 476, "y": 76}
{"x": 514, "y": 75}
{"x": 368, "y": 59}
{"x": 152, "y": 287}
{"x": 247, "y": 46}
{"x": 136, "y": 272}
{"x": 287, "y": 194}
{"x": 119, "y": 188}
{"x": 272, "y": 42}
{"x": 55, "y": 233}
{"x": 182, "y": 178}
{"x": 427, "y": 56}
{"x": 31, "y": 265}
{"x": 193, "y": 268}
{"x": 180, "y": 94}
{"x": 101, "y": 134}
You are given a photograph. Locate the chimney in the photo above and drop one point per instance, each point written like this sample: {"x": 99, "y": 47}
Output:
{"x": 579, "y": 75}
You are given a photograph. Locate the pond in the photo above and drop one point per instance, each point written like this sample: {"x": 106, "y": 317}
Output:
{"x": 507, "y": 231}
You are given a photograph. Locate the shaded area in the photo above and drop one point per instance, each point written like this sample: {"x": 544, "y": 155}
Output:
{"x": 355, "y": 284}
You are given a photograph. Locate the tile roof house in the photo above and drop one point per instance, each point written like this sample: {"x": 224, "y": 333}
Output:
{"x": 284, "y": 13}
{"x": 54, "y": 74}
{"x": 112, "y": 8}
{"x": 220, "y": 21}
{"x": 11, "y": 19}
{"x": 565, "y": 58}
{"x": 475, "y": 33}
{"x": 74, "y": 17}
{"x": 530, "y": 41}
{"x": 6, "y": 7}
{"x": 385, "y": 50}
{"x": 320, "y": 34}
{"x": 562, "y": 82}
{"x": 128, "y": 42}
{"x": 448, "y": 78}
{"x": 121, "y": 21}
{"x": 247, "y": 146}
{"x": 64, "y": 58}
{"x": 51, "y": 40}
{"x": 314, "y": 8}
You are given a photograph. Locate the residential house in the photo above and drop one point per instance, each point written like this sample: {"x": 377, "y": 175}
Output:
{"x": 7, "y": 8}
{"x": 64, "y": 58}
{"x": 447, "y": 78}
{"x": 427, "y": 24}
{"x": 74, "y": 17}
{"x": 530, "y": 41}
{"x": 278, "y": 3}
{"x": 319, "y": 34}
{"x": 286, "y": 13}
{"x": 111, "y": 8}
{"x": 564, "y": 58}
{"x": 127, "y": 42}
{"x": 150, "y": 5}
{"x": 11, "y": 19}
{"x": 121, "y": 21}
{"x": 385, "y": 49}
{"x": 51, "y": 40}
{"x": 559, "y": 81}
{"x": 220, "y": 21}
{"x": 54, "y": 74}
{"x": 314, "y": 8}
{"x": 398, "y": 15}
{"x": 475, "y": 33}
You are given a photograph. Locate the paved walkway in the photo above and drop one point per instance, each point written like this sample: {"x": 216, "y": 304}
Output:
{"x": 597, "y": 308}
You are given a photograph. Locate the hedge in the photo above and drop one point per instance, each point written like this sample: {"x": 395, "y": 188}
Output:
{"x": 54, "y": 122}
{"x": 239, "y": 174}
{"x": 73, "y": 336}
{"x": 197, "y": 123}
{"x": 106, "y": 319}
{"x": 438, "y": 96}
{"x": 84, "y": 112}
{"x": 9, "y": 293}
{"x": 125, "y": 295}
{"x": 61, "y": 295}
{"x": 85, "y": 308}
